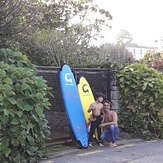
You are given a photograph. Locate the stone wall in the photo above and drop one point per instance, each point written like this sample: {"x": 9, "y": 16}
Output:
{"x": 114, "y": 94}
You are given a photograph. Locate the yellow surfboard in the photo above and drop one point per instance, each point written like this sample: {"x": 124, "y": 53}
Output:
{"x": 86, "y": 98}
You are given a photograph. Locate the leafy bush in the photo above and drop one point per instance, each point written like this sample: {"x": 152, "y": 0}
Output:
{"x": 141, "y": 99}
{"x": 153, "y": 60}
{"x": 23, "y": 127}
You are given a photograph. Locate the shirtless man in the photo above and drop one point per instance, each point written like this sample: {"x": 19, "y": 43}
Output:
{"x": 96, "y": 118}
{"x": 110, "y": 125}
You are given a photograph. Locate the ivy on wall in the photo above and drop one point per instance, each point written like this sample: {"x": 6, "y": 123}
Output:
{"x": 141, "y": 101}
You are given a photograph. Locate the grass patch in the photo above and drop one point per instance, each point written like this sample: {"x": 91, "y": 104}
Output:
{"x": 60, "y": 146}
{"x": 57, "y": 148}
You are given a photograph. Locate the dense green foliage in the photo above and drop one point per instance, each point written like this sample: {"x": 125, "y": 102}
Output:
{"x": 15, "y": 17}
{"x": 60, "y": 31}
{"x": 54, "y": 32}
{"x": 141, "y": 99}
{"x": 23, "y": 127}
{"x": 154, "y": 60}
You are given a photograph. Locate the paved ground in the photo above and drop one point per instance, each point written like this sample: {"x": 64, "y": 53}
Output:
{"x": 128, "y": 151}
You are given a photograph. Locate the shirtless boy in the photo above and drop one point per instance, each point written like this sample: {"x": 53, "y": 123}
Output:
{"x": 96, "y": 118}
{"x": 110, "y": 125}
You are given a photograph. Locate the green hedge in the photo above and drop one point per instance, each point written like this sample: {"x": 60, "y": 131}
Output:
{"x": 23, "y": 127}
{"x": 141, "y": 101}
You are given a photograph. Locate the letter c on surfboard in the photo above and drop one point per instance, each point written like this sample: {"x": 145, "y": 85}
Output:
{"x": 68, "y": 79}
{"x": 83, "y": 88}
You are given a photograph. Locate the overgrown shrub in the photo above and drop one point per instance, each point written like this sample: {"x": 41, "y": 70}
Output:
{"x": 23, "y": 127}
{"x": 141, "y": 100}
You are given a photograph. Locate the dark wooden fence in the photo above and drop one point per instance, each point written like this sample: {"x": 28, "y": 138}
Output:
{"x": 99, "y": 80}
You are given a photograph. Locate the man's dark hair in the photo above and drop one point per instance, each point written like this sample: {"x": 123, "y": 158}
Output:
{"x": 99, "y": 94}
{"x": 107, "y": 101}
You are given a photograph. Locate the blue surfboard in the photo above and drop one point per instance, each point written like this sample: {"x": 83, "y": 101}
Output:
{"x": 73, "y": 105}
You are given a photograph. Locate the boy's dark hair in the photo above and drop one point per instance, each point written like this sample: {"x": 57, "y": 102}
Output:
{"x": 108, "y": 102}
{"x": 99, "y": 94}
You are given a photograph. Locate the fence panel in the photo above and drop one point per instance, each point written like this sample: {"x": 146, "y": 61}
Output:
{"x": 99, "y": 80}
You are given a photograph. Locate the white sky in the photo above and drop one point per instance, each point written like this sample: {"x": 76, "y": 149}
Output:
{"x": 142, "y": 18}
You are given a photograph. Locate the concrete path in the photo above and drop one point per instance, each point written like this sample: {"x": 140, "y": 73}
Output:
{"x": 128, "y": 151}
